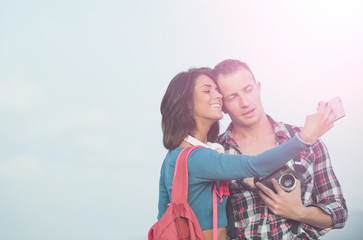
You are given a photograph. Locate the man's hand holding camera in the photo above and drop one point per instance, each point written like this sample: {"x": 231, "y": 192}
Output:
{"x": 289, "y": 205}
{"x": 282, "y": 203}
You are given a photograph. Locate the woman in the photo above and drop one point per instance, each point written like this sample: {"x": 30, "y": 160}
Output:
{"x": 192, "y": 106}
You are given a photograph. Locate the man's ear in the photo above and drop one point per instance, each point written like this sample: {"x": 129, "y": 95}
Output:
{"x": 258, "y": 84}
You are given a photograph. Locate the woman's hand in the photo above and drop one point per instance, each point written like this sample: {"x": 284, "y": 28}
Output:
{"x": 318, "y": 123}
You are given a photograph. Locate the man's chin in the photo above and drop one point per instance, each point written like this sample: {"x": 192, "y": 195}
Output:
{"x": 248, "y": 122}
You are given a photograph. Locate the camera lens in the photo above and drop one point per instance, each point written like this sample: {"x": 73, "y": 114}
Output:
{"x": 287, "y": 182}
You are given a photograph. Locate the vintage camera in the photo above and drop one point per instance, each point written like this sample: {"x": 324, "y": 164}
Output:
{"x": 285, "y": 176}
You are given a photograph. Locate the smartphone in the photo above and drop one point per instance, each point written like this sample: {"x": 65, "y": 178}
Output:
{"x": 336, "y": 104}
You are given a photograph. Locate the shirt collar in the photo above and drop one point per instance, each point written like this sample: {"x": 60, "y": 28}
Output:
{"x": 227, "y": 140}
{"x": 281, "y": 133}
{"x": 278, "y": 127}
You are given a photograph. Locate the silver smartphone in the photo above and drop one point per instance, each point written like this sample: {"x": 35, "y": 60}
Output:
{"x": 337, "y": 105}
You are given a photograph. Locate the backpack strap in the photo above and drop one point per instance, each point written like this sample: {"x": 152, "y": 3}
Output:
{"x": 292, "y": 133}
{"x": 297, "y": 161}
{"x": 215, "y": 212}
{"x": 231, "y": 227}
{"x": 179, "y": 190}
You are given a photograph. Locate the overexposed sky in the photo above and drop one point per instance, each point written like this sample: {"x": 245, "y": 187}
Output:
{"x": 81, "y": 84}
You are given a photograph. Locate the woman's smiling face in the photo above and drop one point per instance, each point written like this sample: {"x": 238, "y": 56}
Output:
{"x": 207, "y": 100}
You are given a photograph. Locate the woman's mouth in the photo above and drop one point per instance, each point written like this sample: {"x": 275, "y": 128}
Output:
{"x": 215, "y": 105}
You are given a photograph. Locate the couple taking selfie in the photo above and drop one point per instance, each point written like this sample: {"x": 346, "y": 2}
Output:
{"x": 254, "y": 146}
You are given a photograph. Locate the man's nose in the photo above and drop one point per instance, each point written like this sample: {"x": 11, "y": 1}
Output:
{"x": 244, "y": 101}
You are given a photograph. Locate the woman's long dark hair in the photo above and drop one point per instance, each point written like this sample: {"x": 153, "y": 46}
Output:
{"x": 177, "y": 109}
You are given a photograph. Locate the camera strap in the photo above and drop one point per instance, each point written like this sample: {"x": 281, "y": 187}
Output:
{"x": 292, "y": 132}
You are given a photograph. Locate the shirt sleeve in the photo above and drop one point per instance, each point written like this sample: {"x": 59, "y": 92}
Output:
{"x": 328, "y": 193}
{"x": 207, "y": 164}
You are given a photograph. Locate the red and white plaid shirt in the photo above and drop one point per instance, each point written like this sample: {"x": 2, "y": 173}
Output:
{"x": 320, "y": 187}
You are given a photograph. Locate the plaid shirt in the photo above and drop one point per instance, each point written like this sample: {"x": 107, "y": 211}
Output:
{"x": 320, "y": 188}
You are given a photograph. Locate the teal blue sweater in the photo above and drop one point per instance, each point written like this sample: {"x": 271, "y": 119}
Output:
{"x": 206, "y": 166}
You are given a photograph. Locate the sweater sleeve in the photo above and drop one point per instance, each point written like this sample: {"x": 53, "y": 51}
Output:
{"x": 207, "y": 164}
{"x": 163, "y": 196}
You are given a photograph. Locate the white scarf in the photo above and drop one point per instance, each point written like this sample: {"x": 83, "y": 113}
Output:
{"x": 215, "y": 146}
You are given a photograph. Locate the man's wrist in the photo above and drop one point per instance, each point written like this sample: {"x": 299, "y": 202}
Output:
{"x": 298, "y": 135}
{"x": 314, "y": 216}
{"x": 301, "y": 214}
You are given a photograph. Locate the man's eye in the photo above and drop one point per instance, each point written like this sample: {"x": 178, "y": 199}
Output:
{"x": 230, "y": 98}
{"x": 249, "y": 89}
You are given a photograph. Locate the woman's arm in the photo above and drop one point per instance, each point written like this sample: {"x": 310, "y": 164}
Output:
{"x": 209, "y": 165}
{"x": 163, "y": 196}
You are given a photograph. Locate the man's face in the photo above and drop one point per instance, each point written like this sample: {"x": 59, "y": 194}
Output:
{"x": 241, "y": 96}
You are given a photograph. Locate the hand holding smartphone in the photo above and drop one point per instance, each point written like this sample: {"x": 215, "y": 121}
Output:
{"x": 337, "y": 106}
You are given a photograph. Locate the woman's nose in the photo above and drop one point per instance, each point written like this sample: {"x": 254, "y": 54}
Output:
{"x": 218, "y": 95}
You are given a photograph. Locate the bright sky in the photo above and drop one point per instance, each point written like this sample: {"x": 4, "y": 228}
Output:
{"x": 81, "y": 84}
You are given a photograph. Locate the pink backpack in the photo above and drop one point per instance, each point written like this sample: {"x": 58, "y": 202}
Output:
{"x": 179, "y": 221}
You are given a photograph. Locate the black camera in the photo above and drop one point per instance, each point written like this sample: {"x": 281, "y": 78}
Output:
{"x": 285, "y": 176}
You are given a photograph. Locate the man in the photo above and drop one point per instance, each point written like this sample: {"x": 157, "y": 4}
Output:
{"x": 313, "y": 207}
